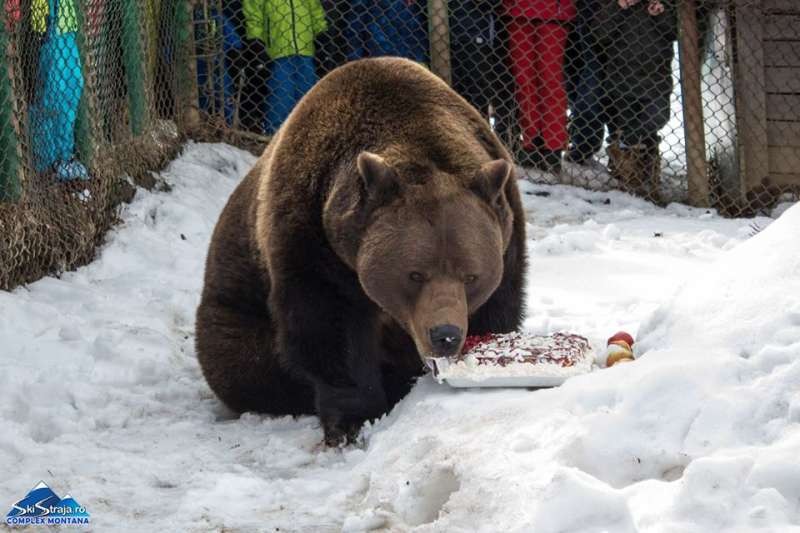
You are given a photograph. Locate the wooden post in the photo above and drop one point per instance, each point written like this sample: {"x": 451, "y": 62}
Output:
{"x": 136, "y": 66}
{"x": 439, "y": 32}
{"x": 751, "y": 97}
{"x": 188, "y": 114}
{"x": 10, "y": 182}
{"x": 693, "y": 125}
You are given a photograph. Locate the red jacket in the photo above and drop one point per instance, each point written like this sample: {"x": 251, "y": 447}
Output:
{"x": 561, "y": 10}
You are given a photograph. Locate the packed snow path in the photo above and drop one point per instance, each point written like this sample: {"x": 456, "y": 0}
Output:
{"x": 101, "y": 395}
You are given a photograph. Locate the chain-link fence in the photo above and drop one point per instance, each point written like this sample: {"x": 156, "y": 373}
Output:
{"x": 83, "y": 116}
{"x": 673, "y": 100}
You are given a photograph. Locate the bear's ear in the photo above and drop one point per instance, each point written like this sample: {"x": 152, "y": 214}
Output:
{"x": 380, "y": 180}
{"x": 491, "y": 180}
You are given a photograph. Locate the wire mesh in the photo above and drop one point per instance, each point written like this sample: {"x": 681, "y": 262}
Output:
{"x": 695, "y": 101}
{"x": 79, "y": 122}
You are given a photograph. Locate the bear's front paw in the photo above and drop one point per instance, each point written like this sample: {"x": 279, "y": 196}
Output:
{"x": 343, "y": 411}
{"x": 340, "y": 432}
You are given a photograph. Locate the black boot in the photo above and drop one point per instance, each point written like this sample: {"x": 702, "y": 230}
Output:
{"x": 529, "y": 157}
{"x": 636, "y": 168}
{"x": 551, "y": 161}
{"x": 540, "y": 158}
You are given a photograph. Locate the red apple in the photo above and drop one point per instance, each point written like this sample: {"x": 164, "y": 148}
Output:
{"x": 621, "y": 336}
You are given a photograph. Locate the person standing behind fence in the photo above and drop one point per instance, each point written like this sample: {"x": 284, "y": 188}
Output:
{"x": 214, "y": 80}
{"x": 59, "y": 87}
{"x": 638, "y": 38}
{"x": 589, "y": 103}
{"x": 331, "y": 45}
{"x": 480, "y": 71}
{"x": 387, "y": 28}
{"x": 537, "y": 37}
{"x": 288, "y": 29}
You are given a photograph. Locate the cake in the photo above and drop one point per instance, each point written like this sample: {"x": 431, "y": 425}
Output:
{"x": 516, "y": 359}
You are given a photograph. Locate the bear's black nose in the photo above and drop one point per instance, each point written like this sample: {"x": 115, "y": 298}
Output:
{"x": 445, "y": 339}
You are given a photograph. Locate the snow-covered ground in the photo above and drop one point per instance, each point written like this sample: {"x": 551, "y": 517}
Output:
{"x": 101, "y": 395}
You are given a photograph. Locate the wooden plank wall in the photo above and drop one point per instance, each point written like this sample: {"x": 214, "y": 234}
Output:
{"x": 768, "y": 92}
{"x": 781, "y": 32}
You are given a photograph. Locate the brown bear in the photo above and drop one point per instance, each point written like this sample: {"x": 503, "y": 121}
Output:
{"x": 381, "y": 225}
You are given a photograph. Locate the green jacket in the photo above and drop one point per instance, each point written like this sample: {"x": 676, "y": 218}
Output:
{"x": 66, "y": 22}
{"x": 287, "y": 27}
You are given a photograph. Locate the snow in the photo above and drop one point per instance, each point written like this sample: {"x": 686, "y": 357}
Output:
{"x": 101, "y": 395}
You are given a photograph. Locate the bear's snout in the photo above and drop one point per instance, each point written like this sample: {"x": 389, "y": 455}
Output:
{"x": 446, "y": 339}
{"x": 439, "y": 320}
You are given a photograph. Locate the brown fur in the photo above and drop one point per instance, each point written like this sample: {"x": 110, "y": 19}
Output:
{"x": 308, "y": 307}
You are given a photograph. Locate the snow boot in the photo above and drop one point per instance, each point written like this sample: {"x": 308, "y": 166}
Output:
{"x": 541, "y": 159}
{"x": 71, "y": 170}
{"x": 636, "y": 168}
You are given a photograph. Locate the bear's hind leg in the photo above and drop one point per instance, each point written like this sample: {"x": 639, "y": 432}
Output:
{"x": 235, "y": 350}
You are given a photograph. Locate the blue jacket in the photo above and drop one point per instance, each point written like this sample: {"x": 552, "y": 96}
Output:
{"x": 216, "y": 22}
{"x": 387, "y": 28}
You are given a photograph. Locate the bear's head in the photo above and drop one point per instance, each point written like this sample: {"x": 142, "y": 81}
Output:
{"x": 432, "y": 245}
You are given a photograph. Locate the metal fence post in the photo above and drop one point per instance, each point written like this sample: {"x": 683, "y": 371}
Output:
{"x": 694, "y": 132}
{"x": 439, "y": 31}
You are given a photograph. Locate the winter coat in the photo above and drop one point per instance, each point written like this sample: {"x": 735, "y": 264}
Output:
{"x": 286, "y": 27}
{"x": 66, "y": 20}
{"x": 387, "y": 28}
{"x": 638, "y": 48}
{"x": 549, "y": 10}
{"x": 216, "y": 22}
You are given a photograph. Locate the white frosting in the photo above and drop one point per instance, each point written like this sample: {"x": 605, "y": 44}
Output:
{"x": 520, "y": 348}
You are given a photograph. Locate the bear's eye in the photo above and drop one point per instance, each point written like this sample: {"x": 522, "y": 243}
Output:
{"x": 417, "y": 277}
{"x": 470, "y": 278}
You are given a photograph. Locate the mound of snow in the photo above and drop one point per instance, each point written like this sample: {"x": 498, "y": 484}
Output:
{"x": 700, "y": 435}
{"x": 748, "y": 298}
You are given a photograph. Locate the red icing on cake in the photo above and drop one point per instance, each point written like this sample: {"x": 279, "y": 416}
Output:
{"x": 562, "y": 349}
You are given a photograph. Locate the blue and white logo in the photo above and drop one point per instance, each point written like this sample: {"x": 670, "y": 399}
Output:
{"x": 43, "y": 506}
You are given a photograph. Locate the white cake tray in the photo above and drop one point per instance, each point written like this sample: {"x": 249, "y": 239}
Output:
{"x": 439, "y": 365}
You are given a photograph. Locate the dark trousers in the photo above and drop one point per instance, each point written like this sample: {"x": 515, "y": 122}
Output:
{"x": 639, "y": 103}
{"x": 587, "y": 97}
{"x": 590, "y": 107}
{"x": 481, "y": 76}
{"x": 611, "y": 93}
